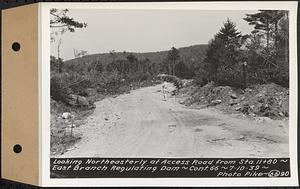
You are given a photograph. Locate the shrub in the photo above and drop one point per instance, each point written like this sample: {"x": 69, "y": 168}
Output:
{"x": 58, "y": 91}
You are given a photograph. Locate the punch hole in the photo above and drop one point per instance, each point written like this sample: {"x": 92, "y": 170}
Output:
{"x": 17, "y": 148}
{"x": 16, "y": 46}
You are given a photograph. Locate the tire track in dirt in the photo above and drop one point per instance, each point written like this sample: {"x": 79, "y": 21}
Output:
{"x": 140, "y": 124}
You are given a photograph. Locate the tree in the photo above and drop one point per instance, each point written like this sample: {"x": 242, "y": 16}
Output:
{"x": 133, "y": 62}
{"x": 60, "y": 22}
{"x": 223, "y": 55}
{"x": 265, "y": 22}
{"x": 131, "y": 58}
{"x": 214, "y": 55}
{"x": 146, "y": 65}
{"x": 172, "y": 57}
{"x": 60, "y": 61}
{"x": 113, "y": 54}
{"x": 182, "y": 71}
{"x": 229, "y": 35}
{"x": 54, "y": 64}
{"x": 271, "y": 33}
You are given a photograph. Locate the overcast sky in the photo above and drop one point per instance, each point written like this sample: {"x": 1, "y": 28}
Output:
{"x": 144, "y": 30}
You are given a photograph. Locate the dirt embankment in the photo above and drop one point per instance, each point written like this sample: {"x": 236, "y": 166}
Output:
{"x": 259, "y": 101}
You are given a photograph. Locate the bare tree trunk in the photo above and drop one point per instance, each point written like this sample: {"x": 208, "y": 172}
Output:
{"x": 173, "y": 68}
{"x": 58, "y": 56}
{"x": 268, "y": 35}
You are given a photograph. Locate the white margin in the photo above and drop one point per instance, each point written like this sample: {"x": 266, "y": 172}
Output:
{"x": 194, "y": 182}
{"x": 45, "y": 93}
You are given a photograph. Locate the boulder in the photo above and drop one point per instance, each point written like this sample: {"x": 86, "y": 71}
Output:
{"x": 248, "y": 90}
{"x": 215, "y": 102}
{"x": 187, "y": 82}
{"x": 233, "y": 102}
{"x": 90, "y": 92}
{"x": 92, "y": 106}
{"x": 66, "y": 115}
{"x": 233, "y": 96}
{"x": 77, "y": 100}
{"x": 82, "y": 101}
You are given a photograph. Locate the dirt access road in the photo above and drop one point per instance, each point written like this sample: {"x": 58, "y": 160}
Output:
{"x": 141, "y": 124}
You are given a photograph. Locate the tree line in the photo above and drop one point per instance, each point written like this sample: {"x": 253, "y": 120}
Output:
{"x": 260, "y": 57}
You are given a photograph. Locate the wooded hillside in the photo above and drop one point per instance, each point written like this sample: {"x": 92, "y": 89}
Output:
{"x": 191, "y": 56}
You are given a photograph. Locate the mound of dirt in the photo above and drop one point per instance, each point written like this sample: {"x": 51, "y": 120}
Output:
{"x": 267, "y": 100}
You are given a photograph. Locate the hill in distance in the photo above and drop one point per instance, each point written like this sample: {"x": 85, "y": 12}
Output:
{"x": 189, "y": 55}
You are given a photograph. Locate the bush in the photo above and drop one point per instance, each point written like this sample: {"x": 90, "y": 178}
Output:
{"x": 81, "y": 86}
{"x": 229, "y": 76}
{"x": 201, "y": 78}
{"x": 58, "y": 90}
